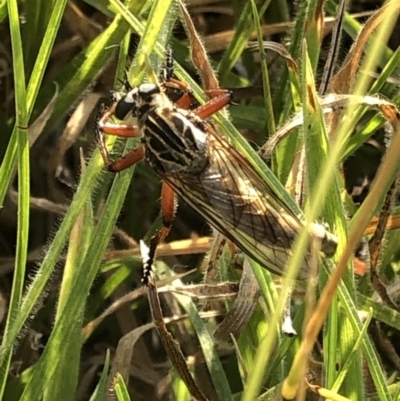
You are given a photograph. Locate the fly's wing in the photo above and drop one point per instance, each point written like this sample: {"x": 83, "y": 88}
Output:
{"x": 232, "y": 197}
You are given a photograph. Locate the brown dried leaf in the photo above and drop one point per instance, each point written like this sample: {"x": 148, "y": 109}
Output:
{"x": 334, "y": 48}
{"x": 207, "y": 291}
{"x": 73, "y": 128}
{"x": 131, "y": 296}
{"x": 219, "y": 41}
{"x": 239, "y": 315}
{"x": 279, "y": 49}
{"x": 123, "y": 357}
{"x": 171, "y": 347}
{"x": 37, "y": 126}
{"x": 330, "y": 104}
{"x": 344, "y": 80}
{"x": 199, "y": 54}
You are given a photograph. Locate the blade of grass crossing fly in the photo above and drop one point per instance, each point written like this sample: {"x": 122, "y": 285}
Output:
{"x": 317, "y": 151}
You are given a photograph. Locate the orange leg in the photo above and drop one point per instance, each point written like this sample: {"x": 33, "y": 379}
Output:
{"x": 122, "y": 163}
{"x": 180, "y": 91}
{"x": 219, "y": 97}
{"x": 103, "y": 126}
{"x": 222, "y": 98}
{"x": 168, "y": 208}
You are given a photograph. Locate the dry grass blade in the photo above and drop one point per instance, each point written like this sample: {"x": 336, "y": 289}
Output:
{"x": 385, "y": 344}
{"x": 387, "y": 168}
{"x": 241, "y": 311}
{"x": 198, "y": 53}
{"x": 376, "y": 240}
{"x": 330, "y": 104}
{"x": 344, "y": 80}
{"x": 170, "y": 345}
{"x": 91, "y": 326}
{"x": 334, "y": 47}
{"x": 207, "y": 291}
{"x": 181, "y": 247}
{"x": 74, "y": 127}
{"x": 211, "y": 271}
{"x": 277, "y": 48}
{"x": 123, "y": 356}
{"x": 393, "y": 223}
{"x": 375, "y": 246}
{"x": 37, "y": 127}
{"x": 40, "y": 203}
{"x": 219, "y": 41}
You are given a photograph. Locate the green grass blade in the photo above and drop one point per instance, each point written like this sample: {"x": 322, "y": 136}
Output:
{"x": 37, "y": 21}
{"x": 3, "y": 10}
{"x": 211, "y": 357}
{"x": 68, "y": 357}
{"x": 36, "y": 78}
{"x": 44, "y": 371}
{"x": 313, "y": 31}
{"x": 37, "y": 287}
{"x": 368, "y": 348}
{"x": 21, "y": 133}
{"x": 160, "y": 10}
{"x": 101, "y": 388}
{"x": 120, "y": 389}
{"x": 239, "y": 41}
{"x": 317, "y": 151}
{"x": 270, "y": 120}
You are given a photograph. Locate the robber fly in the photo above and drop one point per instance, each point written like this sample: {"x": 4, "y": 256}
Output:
{"x": 202, "y": 167}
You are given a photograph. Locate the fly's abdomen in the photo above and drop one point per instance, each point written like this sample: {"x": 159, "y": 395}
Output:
{"x": 240, "y": 205}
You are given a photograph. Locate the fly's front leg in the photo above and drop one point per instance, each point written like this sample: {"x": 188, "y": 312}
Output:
{"x": 220, "y": 98}
{"x": 184, "y": 94}
{"x": 104, "y": 126}
{"x": 168, "y": 208}
{"x": 179, "y": 92}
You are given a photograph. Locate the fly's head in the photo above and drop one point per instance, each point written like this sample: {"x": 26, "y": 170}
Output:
{"x": 140, "y": 101}
{"x": 174, "y": 139}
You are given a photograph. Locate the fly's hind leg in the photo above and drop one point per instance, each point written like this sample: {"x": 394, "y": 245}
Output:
{"x": 220, "y": 98}
{"x": 168, "y": 208}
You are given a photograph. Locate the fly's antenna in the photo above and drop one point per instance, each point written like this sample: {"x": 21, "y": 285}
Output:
{"x": 125, "y": 82}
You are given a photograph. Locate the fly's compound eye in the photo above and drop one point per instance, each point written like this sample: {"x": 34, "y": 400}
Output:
{"x": 126, "y": 105}
{"x": 146, "y": 91}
